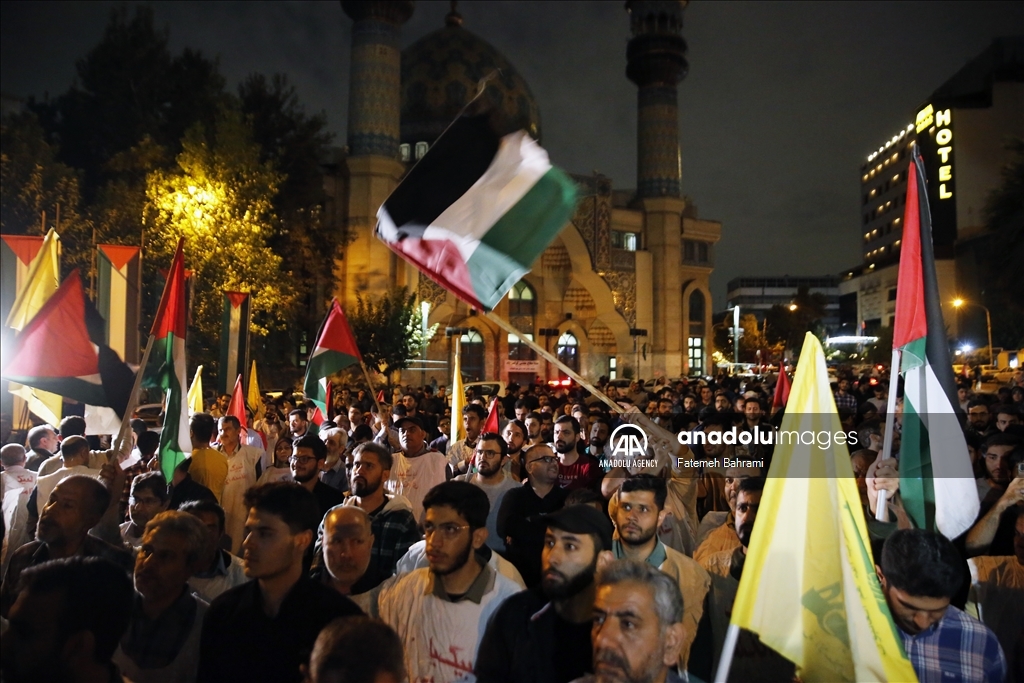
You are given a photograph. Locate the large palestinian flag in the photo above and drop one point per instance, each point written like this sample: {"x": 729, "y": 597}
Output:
{"x": 169, "y": 350}
{"x": 335, "y": 349}
{"x": 61, "y": 351}
{"x": 477, "y": 210}
{"x": 936, "y": 479}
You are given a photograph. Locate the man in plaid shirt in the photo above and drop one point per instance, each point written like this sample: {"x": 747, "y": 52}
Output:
{"x": 921, "y": 572}
{"x": 845, "y": 401}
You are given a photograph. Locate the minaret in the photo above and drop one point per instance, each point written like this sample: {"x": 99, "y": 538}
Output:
{"x": 656, "y": 62}
{"x": 373, "y": 135}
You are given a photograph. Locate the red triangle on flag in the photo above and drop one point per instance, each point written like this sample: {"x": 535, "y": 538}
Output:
{"x": 118, "y": 254}
{"x": 237, "y": 298}
{"x": 782, "y": 387}
{"x": 336, "y": 334}
{"x": 25, "y": 247}
{"x": 237, "y": 405}
{"x": 170, "y": 316}
{"x": 491, "y": 424}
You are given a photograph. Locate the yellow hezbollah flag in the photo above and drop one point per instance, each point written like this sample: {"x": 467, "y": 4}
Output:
{"x": 195, "y": 393}
{"x": 809, "y": 588}
{"x": 41, "y": 281}
{"x": 458, "y": 399}
{"x": 254, "y": 398}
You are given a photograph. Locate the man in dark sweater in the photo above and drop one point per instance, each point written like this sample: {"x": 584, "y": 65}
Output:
{"x": 263, "y": 630}
{"x": 308, "y": 456}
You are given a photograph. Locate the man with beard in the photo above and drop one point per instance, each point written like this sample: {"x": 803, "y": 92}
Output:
{"x": 533, "y": 423}
{"x": 261, "y": 630}
{"x": 600, "y": 430}
{"x": 575, "y": 470}
{"x": 440, "y": 611}
{"x": 542, "y": 635}
{"x": 717, "y": 531}
{"x": 637, "y": 513}
{"x": 517, "y": 524}
{"x": 460, "y": 453}
{"x": 490, "y": 476}
{"x": 308, "y": 456}
{"x": 515, "y": 438}
{"x": 638, "y": 630}
{"x": 423, "y": 468}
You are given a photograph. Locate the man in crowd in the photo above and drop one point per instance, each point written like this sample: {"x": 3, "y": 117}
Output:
{"x": 600, "y": 432}
{"x": 299, "y": 424}
{"x": 997, "y": 585}
{"x": 460, "y": 453}
{"x": 920, "y": 573}
{"x": 357, "y": 650}
{"x": 392, "y": 524}
{"x": 717, "y": 531}
{"x": 846, "y": 402}
{"x": 1006, "y": 415}
{"x": 638, "y": 627}
{"x": 73, "y": 507}
{"x": 335, "y": 473}
{"x": 993, "y": 533}
{"x": 575, "y": 470}
{"x": 440, "y": 612}
{"x": 308, "y": 456}
{"x": 534, "y": 424}
{"x": 347, "y": 548}
{"x": 184, "y": 488}
{"x": 148, "y": 498}
{"x": 979, "y": 418}
{"x": 66, "y": 622}
{"x": 209, "y": 467}
{"x": 638, "y": 512}
{"x": 75, "y": 457}
{"x": 261, "y": 630}
{"x": 543, "y": 634}
{"x": 218, "y": 570}
{"x": 517, "y": 524}
{"x": 43, "y": 442}
{"x": 162, "y": 640}
{"x": 515, "y": 438}
{"x": 243, "y": 471}
{"x": 997, "y": 450}
{"x": 490, "y": 476}
{"x": 18, "y": 482}
{"x": 424, "y": 468}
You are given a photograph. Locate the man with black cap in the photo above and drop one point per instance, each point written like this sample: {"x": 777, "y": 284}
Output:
{"x": 520, "y": 643}
{"x": 422, "y": 469}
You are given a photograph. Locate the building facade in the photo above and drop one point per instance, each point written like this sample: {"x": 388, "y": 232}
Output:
{"x": 623, "y": 290}
{"x": 757, "y": 295}
{"x": 962, "y": 129}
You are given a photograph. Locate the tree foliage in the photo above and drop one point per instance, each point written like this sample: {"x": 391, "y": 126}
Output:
{"x": 1004, "y": 217}
{"x": 389, "y": 330}
{"x": 219, "y": 199}
{"x": 787, "y": 324}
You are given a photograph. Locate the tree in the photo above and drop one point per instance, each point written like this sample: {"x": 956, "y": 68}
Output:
{"x": 34, "y": 181}
{"x": 219, "y": 198}
{"x": 1004, "y": 217}
{"x": 389, "y": 331}
{"x": 787, "y": 324}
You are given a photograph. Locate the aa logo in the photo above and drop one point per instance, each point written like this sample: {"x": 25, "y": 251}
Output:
{"x": 628, "y": 441}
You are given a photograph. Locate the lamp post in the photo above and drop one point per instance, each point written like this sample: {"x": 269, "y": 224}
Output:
{"x": 735, "y": 336}
{"x": 958, "y": 303}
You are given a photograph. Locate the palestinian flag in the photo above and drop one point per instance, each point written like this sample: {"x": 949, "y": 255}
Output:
{"x": 234, "y": 339}
{"x": 492, "y": 423}
{"x": 169, "y": 350}
{"x": 477, "y": 210}
{"x": 118, "y": 271}
{"x": 335, "y": 349}
{"x": 936, "y": 480}
{"x": 60, "y": 350}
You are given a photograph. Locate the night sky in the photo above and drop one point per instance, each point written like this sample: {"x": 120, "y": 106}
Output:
{"x": 782, "y": 104}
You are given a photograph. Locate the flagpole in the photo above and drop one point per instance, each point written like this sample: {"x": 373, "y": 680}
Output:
{"x": 554, "y": 359}
{"x": 369, "y": 386}
{"x": 133, "y": 399}
{"x": 728, "y": 650}
{"x": 881, "y": 510}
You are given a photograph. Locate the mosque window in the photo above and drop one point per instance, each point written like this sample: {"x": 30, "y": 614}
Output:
{"x": 568, "y": 350}
{"x": 472, "y": 351}
{"x": 405, "y": 150}
{"x": 522, "y": 300}
{"x": 696, "y": 306}
{"x": 421, "y": 149}
{"x": 627, "y": 241}
{"x": 518, "y": 350}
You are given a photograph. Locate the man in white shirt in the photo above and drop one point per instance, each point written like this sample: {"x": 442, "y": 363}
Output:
{"x": 219, "y": 570}
{"x": 419, "y": 468}
{"x": 16, "y": 484}
{"x": 441, "y": 612}
{"x": 242, "y": 475}
{"x": 74, "y": 452}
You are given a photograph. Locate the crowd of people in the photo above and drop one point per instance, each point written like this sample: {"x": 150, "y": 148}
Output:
{"x": 371, "y": 544}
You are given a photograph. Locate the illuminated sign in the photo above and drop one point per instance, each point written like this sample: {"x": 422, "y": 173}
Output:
{"x": 925, "y": 118}
{"x": 940, "y": 122}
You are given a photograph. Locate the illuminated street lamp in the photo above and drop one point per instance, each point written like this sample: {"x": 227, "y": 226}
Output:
{"x": 792, "y": 307}
{"x": 958, "y": 303}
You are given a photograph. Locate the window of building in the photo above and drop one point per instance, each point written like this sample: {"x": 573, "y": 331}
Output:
{"x": 696, "y": 306}
{"x": 518, "y": 350}
{"x": 405, "y": 150}
{"x": 421, "y": 149}
{"x": 702, "y": 252}
{"x": 522, "y": 300}
{"x": 472, "y": 360}
{"x": 628, "y": 241}
{"x": 892, "y": 294}
{"x": 568, "y": 350}
{"x": 695, "y": 354}
{"x": 613, "y": 368}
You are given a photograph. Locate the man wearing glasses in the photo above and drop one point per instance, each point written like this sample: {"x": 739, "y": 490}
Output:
{"x": 440, "y": 611}
{"x": 517, "y": 522}
{"x": 308, "y": 456}
{"x": 491, "y": 451}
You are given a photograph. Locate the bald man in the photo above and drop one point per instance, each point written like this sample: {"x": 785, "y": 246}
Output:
{"x": 347, "y": 547}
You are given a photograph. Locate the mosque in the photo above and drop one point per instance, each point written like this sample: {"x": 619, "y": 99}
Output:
{"x": 622, "y": 292}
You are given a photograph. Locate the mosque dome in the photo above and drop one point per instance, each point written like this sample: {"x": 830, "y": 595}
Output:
{"x": 441, "y": 73}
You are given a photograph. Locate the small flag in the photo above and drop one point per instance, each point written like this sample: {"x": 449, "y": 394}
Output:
{"x": 234, "y": 338}
{"x": 809, "y": 587}
{"x": 195, "y": 393}
{"x": 169, "y": 348}
{"x": 254, "y": 398}
{"x": 782, "y": 387}
{"x": 334, "y": 349}
{"x": 936, "y": 479}
{"x": 380, "y": 397}
{"x": 237, "y": 405}
{"x": 117, "y": 296}
{"x": 477, "y": 210}
{"x": 492, "y": 424}
{"x": 87, "y": 371}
